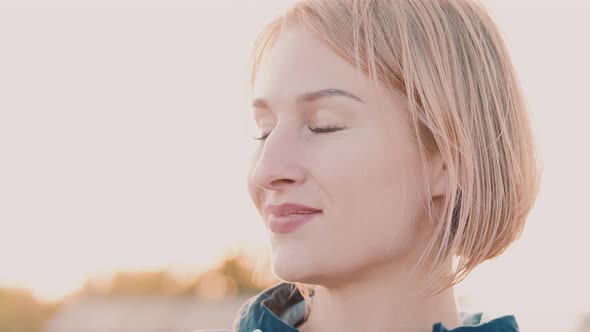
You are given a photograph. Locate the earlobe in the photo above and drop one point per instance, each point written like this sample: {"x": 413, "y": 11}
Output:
{"x": 438, "y": 176}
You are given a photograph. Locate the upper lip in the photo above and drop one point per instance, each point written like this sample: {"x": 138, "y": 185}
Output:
{"x": 290, "y": 208}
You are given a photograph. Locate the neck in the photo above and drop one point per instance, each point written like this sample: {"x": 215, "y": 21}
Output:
{"x": 382, "y": 299}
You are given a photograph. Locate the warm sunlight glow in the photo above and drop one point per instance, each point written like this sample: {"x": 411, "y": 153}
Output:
{"x": 125, "y": 146}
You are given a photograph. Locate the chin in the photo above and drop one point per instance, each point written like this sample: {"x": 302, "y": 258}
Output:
{"x": 292, "y": 266}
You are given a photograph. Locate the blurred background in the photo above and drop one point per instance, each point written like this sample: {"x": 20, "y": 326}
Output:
{"x": 124, "y": 152}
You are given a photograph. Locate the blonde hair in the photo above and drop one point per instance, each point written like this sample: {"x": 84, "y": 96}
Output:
{"x": 448, "y": 61}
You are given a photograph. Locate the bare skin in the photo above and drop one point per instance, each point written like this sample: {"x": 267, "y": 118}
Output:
{"x": 366, "y": 178}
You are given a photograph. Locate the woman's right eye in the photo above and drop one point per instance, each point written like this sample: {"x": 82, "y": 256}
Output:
{"x": 262, "y": 138}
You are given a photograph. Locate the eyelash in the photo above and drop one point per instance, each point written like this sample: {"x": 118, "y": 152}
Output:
{"x": 317, "y": 130}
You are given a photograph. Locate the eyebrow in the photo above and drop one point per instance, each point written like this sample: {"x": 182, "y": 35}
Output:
{"x": 312, "y": 96}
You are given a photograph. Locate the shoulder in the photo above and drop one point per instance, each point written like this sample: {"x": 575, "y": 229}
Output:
{"x": 480, "y": 322}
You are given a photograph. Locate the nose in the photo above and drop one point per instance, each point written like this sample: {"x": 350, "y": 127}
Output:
{"x": 279, "y": 161}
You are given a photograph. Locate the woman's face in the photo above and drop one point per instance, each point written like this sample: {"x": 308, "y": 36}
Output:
{"x": 366, "y": 177}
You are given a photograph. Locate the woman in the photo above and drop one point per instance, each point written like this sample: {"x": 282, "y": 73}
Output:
{"x": 394, "y": 138}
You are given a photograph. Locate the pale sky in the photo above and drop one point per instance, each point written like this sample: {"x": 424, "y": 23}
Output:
{"x": 123, "y": 146}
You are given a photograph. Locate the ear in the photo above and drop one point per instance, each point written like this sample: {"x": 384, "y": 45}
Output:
{"x": 439, "y": 176}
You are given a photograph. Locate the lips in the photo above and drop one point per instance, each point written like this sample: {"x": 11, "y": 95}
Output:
{"x": 288, "y": 217}
{"x": 290, "y": 208}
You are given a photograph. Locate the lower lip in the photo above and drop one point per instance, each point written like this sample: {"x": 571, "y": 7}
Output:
{"x": 289, "y": 223}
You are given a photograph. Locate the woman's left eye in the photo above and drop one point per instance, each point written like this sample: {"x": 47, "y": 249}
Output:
{"x": 325, "y": 129}
{"x": 317, "y": 130}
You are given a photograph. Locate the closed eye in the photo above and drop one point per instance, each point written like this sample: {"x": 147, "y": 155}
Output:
{"x": 317, "y": 130}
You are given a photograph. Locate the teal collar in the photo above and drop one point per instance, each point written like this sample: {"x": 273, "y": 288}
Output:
{"x": 281, "y": 309}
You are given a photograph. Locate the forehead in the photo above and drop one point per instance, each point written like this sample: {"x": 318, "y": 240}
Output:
{"x": 298, "y": 61}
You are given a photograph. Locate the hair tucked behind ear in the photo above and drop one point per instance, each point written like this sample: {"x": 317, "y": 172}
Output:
{"x": 448, "y": 61}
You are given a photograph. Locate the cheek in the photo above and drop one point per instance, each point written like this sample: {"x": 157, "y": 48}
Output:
{"x": 373, "y": 196}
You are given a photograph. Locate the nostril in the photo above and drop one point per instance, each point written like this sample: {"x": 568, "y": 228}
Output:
{"x": 285, "y": 181}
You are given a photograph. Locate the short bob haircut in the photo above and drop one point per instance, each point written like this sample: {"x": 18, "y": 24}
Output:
{"x": 448, "y": 61}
